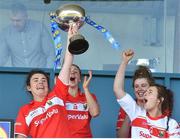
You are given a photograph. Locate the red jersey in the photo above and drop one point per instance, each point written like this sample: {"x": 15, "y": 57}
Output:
{"x": 121, "y": 117}
{"x": 78, "y": 116}
{"x": 47, "y": 118}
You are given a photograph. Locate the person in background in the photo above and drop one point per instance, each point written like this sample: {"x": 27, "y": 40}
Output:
{"x": 153, "y": 119}
{"x": 46, "y": 115}
{"x": 81, "y": 107}
{"x": 142, "y": 79}
{"x": 26, "y": 42}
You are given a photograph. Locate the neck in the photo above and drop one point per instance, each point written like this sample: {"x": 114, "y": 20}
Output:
{"x": 73, "y": 91}
{"x": 140, "y": 102}
{"x": 154, "y": 113}
{"x": 39, "y": 99}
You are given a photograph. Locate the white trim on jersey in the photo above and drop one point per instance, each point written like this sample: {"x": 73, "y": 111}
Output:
{"x": 76, "y": 106}
{"x": 40, "y": 110}
{"x": 145, "y": 127}
{"x": 20, "y": 134}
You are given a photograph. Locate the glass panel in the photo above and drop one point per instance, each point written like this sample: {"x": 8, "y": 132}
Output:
{"x": 172, "y": 35}
{"x": 25, "y": 35}
{"x": 140, "y": 25}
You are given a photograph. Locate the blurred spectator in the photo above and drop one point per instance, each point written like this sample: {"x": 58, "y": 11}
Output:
{"x": 26, "y": 42}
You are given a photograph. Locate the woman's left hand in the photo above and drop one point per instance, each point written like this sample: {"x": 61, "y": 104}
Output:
{"x": 87, "y": 80}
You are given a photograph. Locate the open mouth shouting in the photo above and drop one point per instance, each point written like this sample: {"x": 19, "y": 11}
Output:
{"x": 145, "y": 101}
{"x": 140, "y": 93}
{"x": 72, "y": 78}
{"x": 40, "y": 88}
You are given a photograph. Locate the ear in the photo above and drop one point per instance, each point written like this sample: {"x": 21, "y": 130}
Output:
{"x": 28, "y": 88}
{"x": 161, "y": 100}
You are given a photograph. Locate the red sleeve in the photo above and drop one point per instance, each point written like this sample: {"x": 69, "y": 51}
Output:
{"x": 21, "y": 127}
{"x": 121, "y": 117}
{"x": 94, "y": 97}
{"x": 60, "y": 88}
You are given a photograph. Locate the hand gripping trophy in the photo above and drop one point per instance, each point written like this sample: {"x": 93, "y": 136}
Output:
{"x": 69, "y": 14}
{"x": 72, "y": 14}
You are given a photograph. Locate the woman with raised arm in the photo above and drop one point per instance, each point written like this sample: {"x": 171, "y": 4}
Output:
{"x": 142, "y": 79}
{"x": 81, "y": 106}
{"x": 153, "y": 119}
{"x": 46, "y": 116}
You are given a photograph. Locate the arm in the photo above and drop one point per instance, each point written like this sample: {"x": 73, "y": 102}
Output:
{"x": 124, "y": 130}
{"x": 94, "y": 109}
{"x": 123, "y": 125}
{"x": 174, "y": 129}
{"x": 68, "y": 59}
{"x": 21, "y": 129}
{"x": 119, "y": 78}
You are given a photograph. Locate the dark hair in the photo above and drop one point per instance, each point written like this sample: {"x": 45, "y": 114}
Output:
{"x": 167, "y": 103}
{"x": 77, "y": 68}
{"x": 36, "y": 71}
{"x": 143, "y": 72}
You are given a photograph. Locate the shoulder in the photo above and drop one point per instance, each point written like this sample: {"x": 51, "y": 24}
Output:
{"x": 174, "y": 128}
{"x": 173, "y": 123}
{"x": 26, "y": 106}
{"x": 122, "y": 114}
{"x": 6, "y": 30}
{"x": 121, "y": 111}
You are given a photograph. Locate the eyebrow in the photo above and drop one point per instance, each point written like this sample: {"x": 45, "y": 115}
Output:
{"x": 150, "y": 90}
{"x": 75, "y": 69}
{"x": 37, "y": 78}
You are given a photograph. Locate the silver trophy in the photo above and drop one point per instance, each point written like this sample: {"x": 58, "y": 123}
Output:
{"x": 64, "y": 17}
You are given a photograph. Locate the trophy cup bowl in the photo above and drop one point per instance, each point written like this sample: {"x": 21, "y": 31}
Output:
{"x": 72, "y": 14}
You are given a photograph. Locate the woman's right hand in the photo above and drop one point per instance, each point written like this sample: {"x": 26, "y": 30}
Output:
{"x": 127, "y": 55}
{"x": 73, "y": 30}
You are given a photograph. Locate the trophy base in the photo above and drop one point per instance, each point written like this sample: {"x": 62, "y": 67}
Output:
{"x": 78, "y": 45}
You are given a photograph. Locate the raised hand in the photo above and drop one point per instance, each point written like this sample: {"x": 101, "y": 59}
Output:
{"x": 73, "y": 30}
{"x": 68, "y": 59}
{"x": 127, "y": 55}
{"x": 92, "y": 104}
{"x": 119, "y": 78}
{"x": 87, "y": 81}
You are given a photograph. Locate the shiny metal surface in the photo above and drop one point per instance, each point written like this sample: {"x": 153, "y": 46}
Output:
{"x": 69, "y": 14}
{"x": 72, "y": 14}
